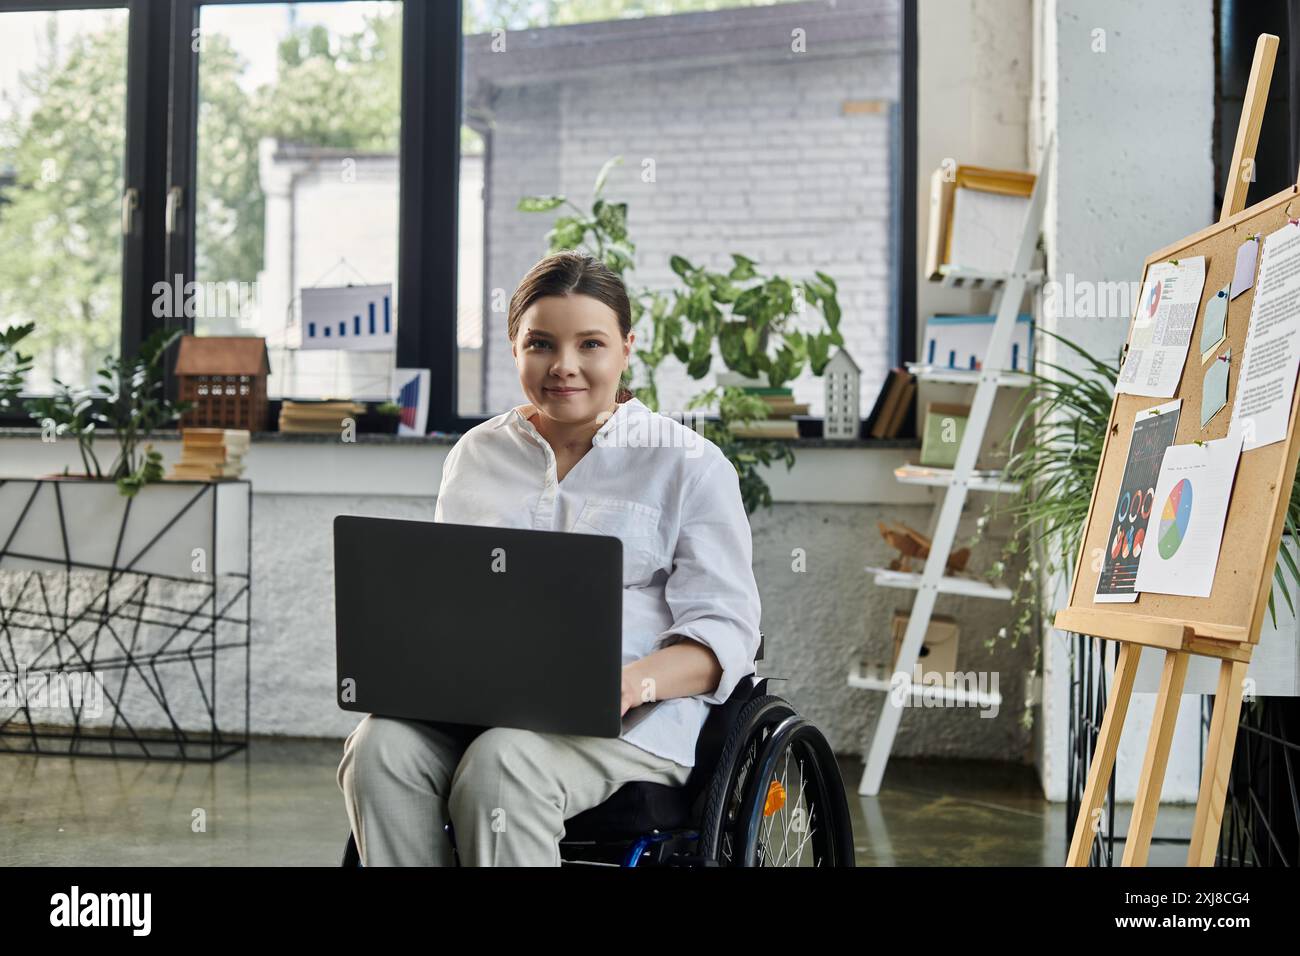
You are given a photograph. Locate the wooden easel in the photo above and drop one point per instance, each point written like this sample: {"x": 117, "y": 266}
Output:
{"x": 1225, "y": 625}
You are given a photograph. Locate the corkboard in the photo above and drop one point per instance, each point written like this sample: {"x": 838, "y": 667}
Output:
{"x": 1234, "y": 611}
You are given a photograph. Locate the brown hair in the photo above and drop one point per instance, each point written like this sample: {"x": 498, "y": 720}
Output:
{"x": 572, "y": 273}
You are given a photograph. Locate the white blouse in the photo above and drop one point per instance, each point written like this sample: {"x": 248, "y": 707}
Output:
{"x": 673, "y": 498}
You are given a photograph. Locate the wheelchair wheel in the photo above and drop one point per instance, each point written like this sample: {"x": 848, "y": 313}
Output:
{"x": 777, "y": 799}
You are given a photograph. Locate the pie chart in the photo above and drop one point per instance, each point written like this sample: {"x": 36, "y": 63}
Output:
{"x": 1174, "y": 518}
{"x": 1153, "y": 299}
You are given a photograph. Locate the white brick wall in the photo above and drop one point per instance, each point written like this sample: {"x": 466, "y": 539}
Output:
{"x": 750, "y": 158}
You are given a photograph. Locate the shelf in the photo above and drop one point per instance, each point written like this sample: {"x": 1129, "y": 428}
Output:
{"x": 877, "y": 677}
{"x": 955, "y": 277}
{"x": 943, "y": 477}
{"x": 968, "y": 376}
{"x": 949, "y": 584}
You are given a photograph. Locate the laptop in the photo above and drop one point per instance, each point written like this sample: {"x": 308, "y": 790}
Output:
{"x": 480, "y": 626}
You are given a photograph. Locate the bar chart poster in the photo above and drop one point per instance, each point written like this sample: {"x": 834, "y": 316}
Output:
{"x": 356, "y": 317}
{"x": 1153, "y": 432}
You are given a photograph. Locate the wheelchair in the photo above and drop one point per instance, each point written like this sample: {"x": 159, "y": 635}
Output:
{"x": 765, "y": 791}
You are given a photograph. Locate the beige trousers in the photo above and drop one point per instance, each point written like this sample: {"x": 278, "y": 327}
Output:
{"x": 507, "y": 792}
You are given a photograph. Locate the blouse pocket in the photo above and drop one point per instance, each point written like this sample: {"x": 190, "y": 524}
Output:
{"x": 635, "y": 523}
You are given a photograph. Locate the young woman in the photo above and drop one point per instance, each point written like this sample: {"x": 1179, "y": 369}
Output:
{"x": 582, "y": 455}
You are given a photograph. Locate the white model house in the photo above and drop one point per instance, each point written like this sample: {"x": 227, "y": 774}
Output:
{"x": 841, "y": 376}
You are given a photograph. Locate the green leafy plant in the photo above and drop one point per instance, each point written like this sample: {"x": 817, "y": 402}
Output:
{"x": 125, "y": 401}
{"x": 1060, "y": 428}
{"x": 744, "y": 311}
{"x": 1055, "y": 443}
{"x": 14, "y": 365}
{"x": 68, "y": 413}
{"x": 388, "y": 408}
{"x": 151, "y": 469}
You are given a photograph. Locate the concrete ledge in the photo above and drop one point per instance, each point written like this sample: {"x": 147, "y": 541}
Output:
{"x": 830, "y": 472}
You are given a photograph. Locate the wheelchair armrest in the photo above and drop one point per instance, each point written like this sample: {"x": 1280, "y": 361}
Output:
{"x": 717, "y": 726}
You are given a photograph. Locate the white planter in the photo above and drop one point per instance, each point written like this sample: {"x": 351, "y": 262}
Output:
{"x": 143, "y": 602}
{"x": 182, "y": 529}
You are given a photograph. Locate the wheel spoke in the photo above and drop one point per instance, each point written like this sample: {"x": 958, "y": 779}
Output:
{"x": 801, "y": 810}
{"x": 785, "y": 793}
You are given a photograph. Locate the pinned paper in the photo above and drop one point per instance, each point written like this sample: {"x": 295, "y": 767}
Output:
{"x": 1187, "y": 516}
{"x": 1216, "y": 321}
{"x": 1243, "y": 277}
{"x": 1153, "y": 432}
{"x": 1266, "y": 375}
{"x": 1161, "y": 333}
{"x": 1214, "y": 388}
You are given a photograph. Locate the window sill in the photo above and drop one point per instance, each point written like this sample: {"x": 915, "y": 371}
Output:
{"x": 825, "y": 471}
{"x": 441, "y": 438}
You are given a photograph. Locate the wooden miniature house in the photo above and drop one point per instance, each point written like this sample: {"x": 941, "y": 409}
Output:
{"x": 841, "y": 376}
{"x": 225, "y": 377}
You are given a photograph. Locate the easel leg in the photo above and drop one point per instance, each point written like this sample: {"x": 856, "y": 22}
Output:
{"x": 1138, "y": 842}
{"x": 1103, "y": 756}
{"x": 1218, "y": 764}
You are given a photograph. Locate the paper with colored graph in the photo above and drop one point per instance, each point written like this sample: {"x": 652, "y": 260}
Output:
{"x": 1153, "y": 431}
{"x": 1191, "y": 505}
{"x": 1162, "y": 328}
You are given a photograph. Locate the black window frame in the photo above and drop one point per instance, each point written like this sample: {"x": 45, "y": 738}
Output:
{"x": 143, "y": 160}
{"x": 160, "y": 157}
{"x": 421, "y": 26}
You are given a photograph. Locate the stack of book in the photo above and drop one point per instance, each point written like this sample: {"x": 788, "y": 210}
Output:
{"x": 317, "y": 417}
{"x": 781, "y": 407}
{"x": 211, "y": 453}
{"x": 890, "y": 414}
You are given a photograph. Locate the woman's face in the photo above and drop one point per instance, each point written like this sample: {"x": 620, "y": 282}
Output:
{"x": 570, "y": 354}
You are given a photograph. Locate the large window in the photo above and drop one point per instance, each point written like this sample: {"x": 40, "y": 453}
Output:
{"x": 322, "y": 173}
{"x": 743, "y": 128}
{"x": 62, "y": 149}
{"x": 299, "y": 125}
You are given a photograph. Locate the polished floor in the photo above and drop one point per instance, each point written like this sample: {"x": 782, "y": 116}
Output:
{"x": 279, "y": 805}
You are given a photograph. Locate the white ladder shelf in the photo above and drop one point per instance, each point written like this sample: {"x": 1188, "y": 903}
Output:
{"x": 1008, "y": 293}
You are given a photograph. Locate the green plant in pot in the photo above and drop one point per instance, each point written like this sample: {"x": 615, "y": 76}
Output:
{"x": 384, "y": 419}
{"x": 126, "y": 402}
{"x": 1055, "y": 450}
{"x": 743, "y": 311}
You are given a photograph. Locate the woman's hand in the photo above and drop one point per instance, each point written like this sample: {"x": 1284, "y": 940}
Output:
{"x": 633, "y": 689}
{"x": 679, "y": 670}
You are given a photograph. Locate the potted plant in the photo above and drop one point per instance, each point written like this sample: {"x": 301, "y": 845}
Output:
{"x": 125, "y": 401}
{"x": 742, "y": 310}
{"x": 383, "y": 419}
{"x": 99, "y": 518}
{"x": 1055, "y": 448}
